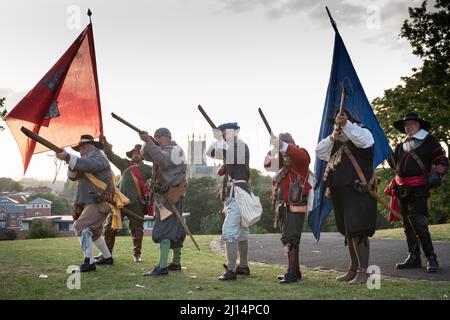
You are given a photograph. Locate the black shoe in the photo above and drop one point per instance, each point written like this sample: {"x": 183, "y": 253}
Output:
{"x": 291, "y": 276}
{"x": 157, "y": 271}
{"x": 281, "y": 276}
{"x": 228, "y": 274}
{"x": 100, "y": 256}
{"x": 243, "y": 271}
{"x": 432, "y": 264}
{"x": 105, "y": 261}
{"x": 174, "y": 267}
{"x": 413, "y": 261}
{"x": 86, "y": 266}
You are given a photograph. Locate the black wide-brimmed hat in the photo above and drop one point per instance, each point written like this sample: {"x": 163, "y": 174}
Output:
{"x": 136, "y": 148}
{"x": 400, "y": 124}
{"x": 87, "y": 138}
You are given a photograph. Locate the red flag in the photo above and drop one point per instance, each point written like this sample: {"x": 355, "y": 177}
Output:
{"x": 64, "y": 104}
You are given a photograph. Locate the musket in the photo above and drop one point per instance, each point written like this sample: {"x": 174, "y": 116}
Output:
{"x": 30, "y": 134}
{"x": 55, "y": 148}
{"x": 205, "y": 115}
{"x": 132, "y": 215}
{"x": 363, "y": 180}
{"x": 224, "y": 166}
{"x": 266, "y": 123}
{"x": 276, "y": 219}
{"x": 183, "y": 223}
{"x": 131, "y": 126}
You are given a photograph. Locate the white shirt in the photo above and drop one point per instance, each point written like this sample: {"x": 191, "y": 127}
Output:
{"x": 361, "y": 138}
{"x": 411, "y": 143}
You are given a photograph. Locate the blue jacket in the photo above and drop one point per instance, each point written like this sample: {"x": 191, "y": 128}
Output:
{"x": 97, "y": 164}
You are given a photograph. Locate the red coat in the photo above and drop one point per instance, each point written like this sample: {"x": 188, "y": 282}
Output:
{"x": 299, "y": 165}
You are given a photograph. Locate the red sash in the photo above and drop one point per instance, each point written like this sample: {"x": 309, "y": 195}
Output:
{"x": 410, "y": 181}
{"x": 136, "y": 171}
{"x": 401, "y": 181}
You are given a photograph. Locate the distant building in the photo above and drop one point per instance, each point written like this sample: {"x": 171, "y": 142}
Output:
{"x": 13, "y": 212}
{"x": 38, "y": 208}
{"x": 64, "y": 224}
{"x": 196, "y": 160}
{"x": 39, "y": 189}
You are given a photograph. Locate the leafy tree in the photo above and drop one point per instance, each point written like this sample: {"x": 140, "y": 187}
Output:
{"x": 201, "y": 201}
{"x": 9, "y": 185}
{"x": 427, "y": 90}
{"x": 262, "y": 187}
{"x": 60, "y": 205}
{"x": 2, "y": 111}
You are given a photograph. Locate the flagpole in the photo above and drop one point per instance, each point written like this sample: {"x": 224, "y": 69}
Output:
{"x": 333, "y": 23}
{"x": 94, "y": 63}
{"x": 89, "y": 13}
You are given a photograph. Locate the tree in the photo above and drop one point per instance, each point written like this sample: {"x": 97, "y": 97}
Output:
{"x": 427, "y": 90}
{"x": 9, "y": 185}
{"x": 201, "y": 201}
{"x": 262, "y": 187}
{"x": 60, "y": 205}
{"x": 2, "y": 111}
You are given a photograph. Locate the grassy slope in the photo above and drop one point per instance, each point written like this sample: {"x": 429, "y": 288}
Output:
{"x": 21, "y": 263}
{"x": 438, "y": 232}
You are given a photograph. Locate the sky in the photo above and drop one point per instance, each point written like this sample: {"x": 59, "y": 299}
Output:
{"x": 157, "y": 60}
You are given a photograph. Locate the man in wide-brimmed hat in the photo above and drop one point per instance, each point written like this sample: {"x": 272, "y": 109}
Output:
{"x": 235, "y": 170}
{"x": 290, "y": 190}
{"x": 90, "y": 202}
{"x": 134, "y": 174}
{"x": 419, "y": 162}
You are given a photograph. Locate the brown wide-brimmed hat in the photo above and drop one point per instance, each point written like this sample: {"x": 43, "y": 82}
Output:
{"x": 400, "y": 124}
{"x": 286, "y": 137}
{"x": 136, "y": 148}
{"x": 87, "y": 138}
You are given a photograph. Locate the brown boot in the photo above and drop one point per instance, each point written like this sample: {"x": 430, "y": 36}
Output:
{"x": 348, "y": 276}
{"x": 361, "y": 276}
{"x": 137, "y": 236}
{"x": 362, "y": 249}
{"x": 110, "y": 238}
{"x": 351, "y": 272}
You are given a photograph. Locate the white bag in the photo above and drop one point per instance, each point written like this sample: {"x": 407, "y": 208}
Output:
{"x": 250, "y": 206}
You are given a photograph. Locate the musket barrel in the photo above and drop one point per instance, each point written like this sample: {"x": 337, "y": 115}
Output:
{"x": 205, "y": 115}
{"x": 266, "y": 123}
{"x": 30, "y": 134}
{"x": 125, "y": 122}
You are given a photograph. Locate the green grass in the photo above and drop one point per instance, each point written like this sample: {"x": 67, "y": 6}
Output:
{"x": 21, "y": 263}
{"x": 438, "y": 232}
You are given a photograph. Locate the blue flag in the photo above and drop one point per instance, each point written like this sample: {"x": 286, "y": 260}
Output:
{"x": 343, "y": 74}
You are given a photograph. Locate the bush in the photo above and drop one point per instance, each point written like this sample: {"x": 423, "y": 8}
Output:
{"x": 211, "y": 224}
{"x": 8, "y": 234}
{"x": 257, "y": 229}
{"x": 40, "y": 229}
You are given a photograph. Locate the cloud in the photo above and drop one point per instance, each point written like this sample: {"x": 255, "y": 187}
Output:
{"x": 381, "y": 18}
{"x": 6, "y": 92}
